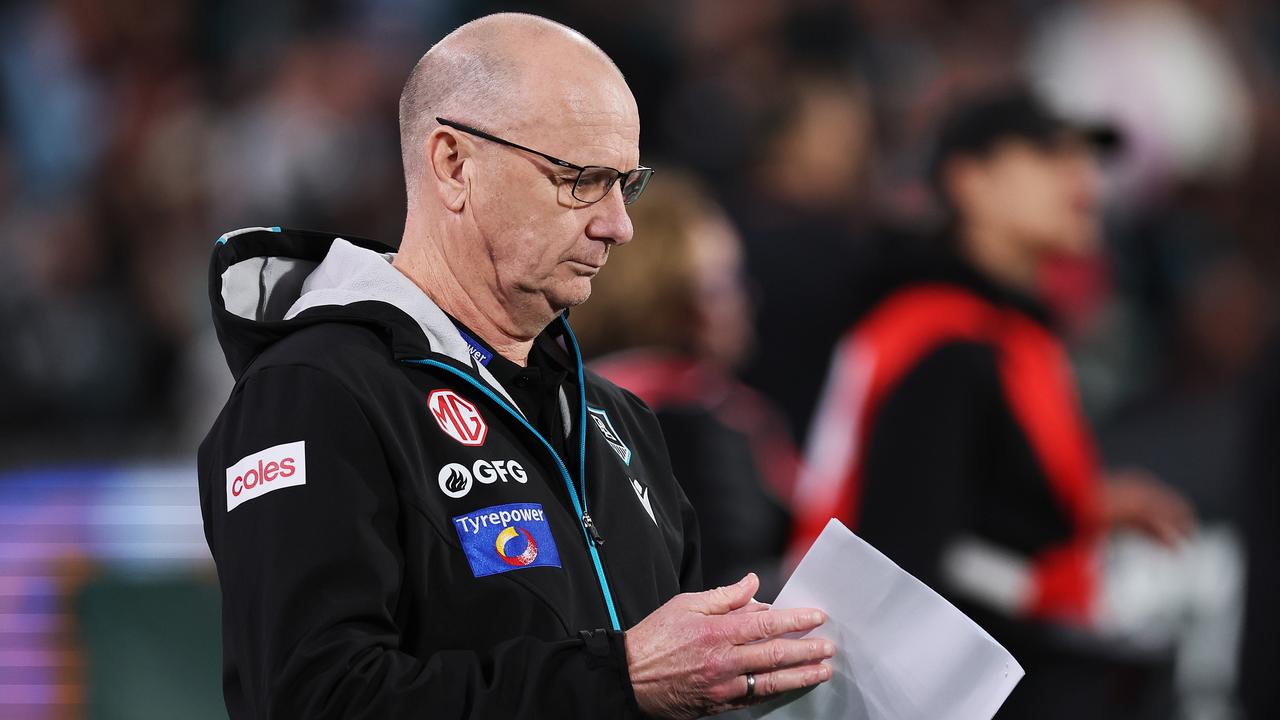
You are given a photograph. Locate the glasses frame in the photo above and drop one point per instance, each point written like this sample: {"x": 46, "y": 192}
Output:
{"x": 645, "y": 173}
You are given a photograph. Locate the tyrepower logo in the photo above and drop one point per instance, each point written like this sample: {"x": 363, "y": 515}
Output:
{"x": 271, "y": 469}
{"x": 457, "y": 417}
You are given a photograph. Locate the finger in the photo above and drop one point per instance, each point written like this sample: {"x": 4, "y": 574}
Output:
{"x": 781, "y": 653}
{"x": 753, "y": 606}
{"x": 1175, "y": 530}
{"x": 770, "y": 684}
{"x": 771, "y": 623}
{"x": 1172, "y": 507}
{"x": 722, "y": 600}
{"x": 1165, "y": 533}
{"x": 1184, "y": 516}
{"x": 1154, "y": 527}
{"x": 780, "y": 681}
{"x": 1174, "y": 518}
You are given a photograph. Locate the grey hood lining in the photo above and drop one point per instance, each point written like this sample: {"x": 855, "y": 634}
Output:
{"x": 279, "y": 288}
{"x": 263, "y": 288}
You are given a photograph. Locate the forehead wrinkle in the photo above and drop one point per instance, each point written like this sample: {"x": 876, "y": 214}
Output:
{"x": 593, "y": 130}
{"x": 604, "y": 144}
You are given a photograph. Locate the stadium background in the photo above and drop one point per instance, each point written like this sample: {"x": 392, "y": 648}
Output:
{"x": 134, "y": 132}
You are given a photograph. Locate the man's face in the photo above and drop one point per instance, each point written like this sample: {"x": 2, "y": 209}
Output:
{"x": 1044, "y": 196}
{"x": 545, "y": 246}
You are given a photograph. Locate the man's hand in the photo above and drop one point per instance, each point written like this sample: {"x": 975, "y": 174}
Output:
{"x": 691, "y": 656}
{"x": 1135, "y": 499}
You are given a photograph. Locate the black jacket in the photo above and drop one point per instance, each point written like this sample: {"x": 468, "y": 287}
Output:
{"x": 400, "y": 541}
{"x": 726, "y": 441}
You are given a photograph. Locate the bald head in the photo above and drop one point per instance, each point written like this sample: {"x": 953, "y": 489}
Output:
{"x": 497, "y": 233}
{"x": 496, "y": 72}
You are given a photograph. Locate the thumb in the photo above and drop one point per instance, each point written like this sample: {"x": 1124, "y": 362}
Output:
{"x": 728, "y": 598}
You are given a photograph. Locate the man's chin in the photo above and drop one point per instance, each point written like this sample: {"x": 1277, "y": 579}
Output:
{"x": 570, "y": 295}
{"x": 578, "y": 299}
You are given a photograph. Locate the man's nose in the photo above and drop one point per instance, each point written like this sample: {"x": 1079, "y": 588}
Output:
{"x": 609, "y": 221}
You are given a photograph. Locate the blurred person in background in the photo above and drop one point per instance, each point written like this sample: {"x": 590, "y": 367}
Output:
{"x": 800, "y": 206}
{"x": 672, "y": 319}
{"x": 950, "y": 434}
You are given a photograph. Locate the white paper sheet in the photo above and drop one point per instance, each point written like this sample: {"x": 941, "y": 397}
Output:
{"x": 902, "y": 651}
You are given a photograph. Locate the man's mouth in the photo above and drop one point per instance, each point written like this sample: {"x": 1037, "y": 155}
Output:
{"x": 593, "y": 267}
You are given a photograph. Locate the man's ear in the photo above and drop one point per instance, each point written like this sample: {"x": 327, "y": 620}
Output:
{"x": 447, "y": 167}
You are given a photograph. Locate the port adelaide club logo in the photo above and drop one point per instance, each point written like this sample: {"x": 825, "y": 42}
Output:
{"x": 605, "y": 426}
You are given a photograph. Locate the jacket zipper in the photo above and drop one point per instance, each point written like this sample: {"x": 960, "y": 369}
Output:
{"x": 589, "y": 531}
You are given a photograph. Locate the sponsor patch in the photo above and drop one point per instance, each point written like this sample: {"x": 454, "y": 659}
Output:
{"x": 476, "y": 348}
{"x": 642, "y": 492}
{"x": 256, "y": 475}
{"x": 457, "y": 417}
{"x": 508, "y": 537}
{"x": 605, "y": 426}
{"x": 456, "y": 479}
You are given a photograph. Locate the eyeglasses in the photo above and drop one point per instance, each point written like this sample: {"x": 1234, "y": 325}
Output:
{"x": 593, "y": 181}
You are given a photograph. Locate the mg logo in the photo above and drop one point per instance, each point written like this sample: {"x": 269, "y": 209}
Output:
{"x": 457, "y": 417}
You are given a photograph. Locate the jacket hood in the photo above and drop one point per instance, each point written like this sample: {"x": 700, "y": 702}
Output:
{"x": 265, "y": 283}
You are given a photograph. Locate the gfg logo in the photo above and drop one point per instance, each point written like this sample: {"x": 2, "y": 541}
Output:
{"x": 456, "y": 479}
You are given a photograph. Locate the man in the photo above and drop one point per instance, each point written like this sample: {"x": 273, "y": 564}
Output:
{"x": 950, "y": 435}
{"x": 419, "y": 503}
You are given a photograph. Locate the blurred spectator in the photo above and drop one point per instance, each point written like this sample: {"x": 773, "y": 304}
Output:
{"x": 730, "y": 52}
{"x": 315, "y": 142}
{"x": 673, "y": 321}
{"x": 123, "y": 137}
{"x": 801, "y": 208}
{"x": 950, "y": 435}
{"x": 1163, "y": 72}
{"x": 1188, "y": 425}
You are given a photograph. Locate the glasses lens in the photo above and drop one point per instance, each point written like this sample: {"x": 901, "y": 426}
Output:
{"x": 593, "y": 183}
{"x": 635, "y": 183}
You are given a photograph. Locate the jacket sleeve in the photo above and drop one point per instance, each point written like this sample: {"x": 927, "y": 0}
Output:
{"x": 310, "y": 577}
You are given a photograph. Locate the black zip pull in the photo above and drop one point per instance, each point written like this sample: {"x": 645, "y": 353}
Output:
{"x": 589, "y": 525}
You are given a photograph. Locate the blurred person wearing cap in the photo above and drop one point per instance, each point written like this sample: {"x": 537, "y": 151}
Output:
{"x": 415, "y": 496}
{"x": 950, "y": 434}
{"x": 671, "y": 321}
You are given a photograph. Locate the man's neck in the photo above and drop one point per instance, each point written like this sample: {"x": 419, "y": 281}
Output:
{"x": 1001, "y": 257}
{"x": 474, "y": 306}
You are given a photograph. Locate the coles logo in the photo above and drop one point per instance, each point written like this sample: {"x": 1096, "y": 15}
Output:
{"x": 256, "y": 475}
{"x": 457, "y": 417}
{"x": 456, "y": 479}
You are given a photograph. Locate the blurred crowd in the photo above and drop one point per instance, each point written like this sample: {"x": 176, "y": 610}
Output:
{"x": 792, "y": 140}
{"x": 136, "y": 131}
